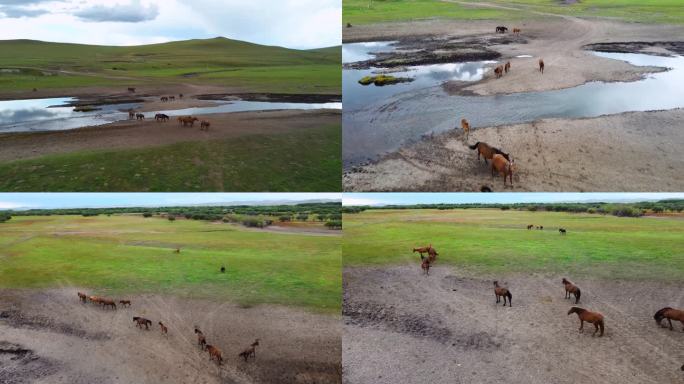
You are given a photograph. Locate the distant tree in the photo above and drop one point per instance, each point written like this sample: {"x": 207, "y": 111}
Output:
{"x": 147, "y": 214}
{"x": 657, "y": 209}
{"x": 171, "y": 218}
{"x": 4, "y": 217}
{"x": 505, "y": 207}
{"x": 303, "y": 216}
{"x": 335, "y": 224}
{"x": 285, "y": 218}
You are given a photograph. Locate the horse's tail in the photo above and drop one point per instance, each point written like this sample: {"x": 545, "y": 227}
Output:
{"x": 577, "y": 296}
{"x": 510, "y": 296}
{"x": 474, "y": 146}
{"x": 660, "y": 314}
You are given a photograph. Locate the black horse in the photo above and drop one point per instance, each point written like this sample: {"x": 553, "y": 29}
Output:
{"x": 562, "y": 231}
{"x": 501, "y": 29}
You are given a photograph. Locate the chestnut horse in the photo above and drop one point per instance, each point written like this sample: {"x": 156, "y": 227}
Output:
{"x": 140, "y": 321}
{"x": 669, "y": 314}
{"x": 571, "y": 288}
{"x": 82, "y": 297}
{"x": 125, "y": 303}
{"x": 498, "y": 71}
{"x": 487, "y": 151}
{"x": 541, "y": 66}
{"x": 425, "y": 264}
{"x": 214, "y": 353}
{"x": 108, "y": 303}
{"x": 517, "y": 31}
{"x": 164, "y": 329}
{"x": 507, "y": 67}
{"x": 250, "y": 352}
{"x": 590, "y": 317}
{"x": 204, "y": 125}
{"x": 201, "y": 340}
{"x": 502, "y": 292}
{"x": 503, "y": 167}
{"x": 466, "y": 128}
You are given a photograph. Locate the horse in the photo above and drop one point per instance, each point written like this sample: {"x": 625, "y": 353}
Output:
{"x": 204, "y": 125}
{"x": 131, "y": 115}
{"x": 161, "y": 117}
{"x": 466, "y": 128}
{"x": 507, "y": 67}
{"x": 108, "y": 303}
{"x": 530, "y": 226}
{"x": 250, "y": 352}
{"x": 487, "y": 151}
{"x": 163, "y": 328}
{"x": 188, "y": 120}
{"x": 82, "y": 297}
{"x": 501, "y": 29}
{"x": 502, "y": 292}
{"x": 140, "y": 321}
{"x": 95, "y": 299}
{"x": 498, "y": 71}
{"x": 139, "y": 116}
{"x": 214, "y": 353}
{"x": 590, "y": 317}
{"x": 180, "y": 96}
{"x": 131, "y": 89}
{"x": 503, "y": 166}
{"x": 541, "y": 227}
{"x": 125, "y": 303}
{"x": 164, "y": 99}
{"x": 177, "y": 250}
{"x": 485, "y": 188}
{"x": 223, "y": 269}
{"x": 172, "y": 98}
{"x": 562, "y": 231}
{"x": 541, "y": 66}
{"x": 572, "y": 288}
{"x": 425, "y": 265}
{"x": 422, "y": 250}
{"x": 516, "y": 31}
{"x": 201, "y": 339}
{"x": 669, "y": 314}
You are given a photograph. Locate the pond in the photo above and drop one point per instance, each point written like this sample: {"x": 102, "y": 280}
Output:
{"x": 52, "y": 114}
{"x": 384, "y": 122}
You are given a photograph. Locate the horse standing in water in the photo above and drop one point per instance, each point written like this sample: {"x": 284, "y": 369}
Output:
{"x": 669, "y": 314}
{"x": 590, "y": 317}
{"x": 571, "y": 288}
{"x": 502, "y": 292}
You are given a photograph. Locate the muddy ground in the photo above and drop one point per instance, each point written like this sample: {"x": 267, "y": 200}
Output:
{"x": 404, "y": 327}
{"x": 50, "y": 337}
{"x": 631, "y": 152}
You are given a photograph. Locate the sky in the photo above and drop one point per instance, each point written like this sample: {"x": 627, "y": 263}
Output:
{"x": 378, "y": 199}
{"x": 103, "y": 200}
{"x": 299, "y": 24}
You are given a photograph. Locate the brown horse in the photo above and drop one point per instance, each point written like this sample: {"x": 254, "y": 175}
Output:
{"x": 177, "y": 250}
{"x": 108, "y": 303}
{"x": 172, "y": 98}
{"x": 487, "y": 151}
{"x": 498, "y": 71}
{"x": 422, "y": 250}
{"x": 562, "y": 231}
{"x": 125, "y": 303}
{"x": 161, "y": 117}
{"x": 214, "y": 353}
{"x": 507, "y": 67}
{"x": 95, "y": 299}
{"x": 590, "y": 317}
{"x": 204, "y": 125}
{"x": 187, "y": 120}
{"x": 502, "y": 292}
{"x": 541, "y": 66}
{"x": 180, "y": 96}
{"x": 139, "y": 116}
{"x": 530, "y": 226}
{"x": 131, "y": 115}
{"x": 503, "y": 167}
{"x": 250, "y": 352}
{"x": 82, "y": 297}
{"x": 164, "y": 99}
{"x": 201, "y": 339}
{"x": 131, "y": 89}
{"x": 466, "y": 128}
{"x": 425, "y": 265}
{"x": 669, "y": 314}
{"x": 572, "y": 288}
{"x": 516, "y": 31}
{"x": 140, "y": 321}
{"x": 164, "y": 329}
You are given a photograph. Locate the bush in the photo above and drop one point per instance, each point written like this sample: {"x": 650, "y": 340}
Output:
{"x": 171, "y": 218}
{"x": 505, "y": 207}
{"x": 4, "y": 217}
{"x": 285, "y": 218}
{"x": 335, "y": 224}
{"x": 321, "y": 217}
{"x": 303, "y": 216}
{"x": 147, "y": 214}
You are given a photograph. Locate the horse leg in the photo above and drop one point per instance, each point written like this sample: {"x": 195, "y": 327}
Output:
{"x": 581, "y": 329}
{"x": 596, "y": 330}
{"x": 670, "y": 321}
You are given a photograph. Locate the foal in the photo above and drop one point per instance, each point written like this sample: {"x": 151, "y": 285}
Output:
{"x": 590, "y": 317}
{"x": 466, "y": 128}
{"x": 571, "y": 288}
{"x": 502, "y": 292}
{"x": 425, "y": 264}
{"x": 669, "y": 314}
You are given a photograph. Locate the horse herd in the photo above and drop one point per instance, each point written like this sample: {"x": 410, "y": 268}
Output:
{"x": 143, "y": 323}
{"x": 570, "y": 288}
{"x": 182, "y": 120}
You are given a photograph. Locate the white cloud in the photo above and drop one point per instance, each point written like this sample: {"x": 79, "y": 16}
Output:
{"x": 133, "y": 12}
{"x": 355, "y": 201}
{"x": 11, "y": 205}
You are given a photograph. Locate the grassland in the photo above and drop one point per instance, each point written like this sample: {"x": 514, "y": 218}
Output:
{"x": 279, "y": 162}
{"x": 131, "y": 254}
{"x": 32, "y": 64}
{"x": 656, "y": 11}
{"x": 495, "y": 241}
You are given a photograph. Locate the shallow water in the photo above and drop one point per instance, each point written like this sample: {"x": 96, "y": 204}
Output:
{"x": 386, "y": 123}
{"x": 51, "y": 115}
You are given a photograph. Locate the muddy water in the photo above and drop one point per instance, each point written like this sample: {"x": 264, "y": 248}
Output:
{"x": 384, "y": 124}
{"x": 53, "y": 115}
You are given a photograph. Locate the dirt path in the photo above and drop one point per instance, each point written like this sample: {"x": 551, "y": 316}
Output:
{"x": 133, "y": 134}
{"x": 55, "y": 339}
{"x": 402, "y": 327}
{"x": 637, "y": 151}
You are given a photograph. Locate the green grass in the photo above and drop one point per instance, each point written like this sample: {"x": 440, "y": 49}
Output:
{"x": 494, "y": 241}
{"x": 650, "y": 11}
{"x": 130, "y": 254}
{"x": 308, "y": 160}
{"x": 216, "y": 61}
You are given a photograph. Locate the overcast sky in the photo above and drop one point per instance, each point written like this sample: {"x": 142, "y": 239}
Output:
{"x": 95, "y": 200}
{"x": 301, "y": 24}
{"x": 351, "y": 199}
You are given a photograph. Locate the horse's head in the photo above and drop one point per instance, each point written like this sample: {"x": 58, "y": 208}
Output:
{"x": 496, "y": 283}
{"x": 577, "y": 310}
{"x": 565, "y": 281}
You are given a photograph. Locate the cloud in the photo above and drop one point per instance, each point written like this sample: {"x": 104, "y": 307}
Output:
{"x": 18, "y": 12}
{"x": 134, "y": 12}
{"x": 356, "y": 201}
{"x": 10, "y": 205}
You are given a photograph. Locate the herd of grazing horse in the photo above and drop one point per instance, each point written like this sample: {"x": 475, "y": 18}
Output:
{"x": 143, "y": 323}
{"x": 161, "y": 117}
{"x": 571, "y": 289}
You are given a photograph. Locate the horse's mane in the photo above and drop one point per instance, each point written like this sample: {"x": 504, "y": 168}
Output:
{"x": 577, "y": 310}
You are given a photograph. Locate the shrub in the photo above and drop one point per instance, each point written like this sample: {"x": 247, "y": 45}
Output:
{"x": 4, "y": 217}
{"x": 285, "y": 218}
{"x": 334, "y": 224}
{"x": 303, "y": 216}
{"x": 147, "y": 214}
{"x": 171, "y": 218}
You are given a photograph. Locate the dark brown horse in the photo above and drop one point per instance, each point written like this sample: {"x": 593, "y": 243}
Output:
{"x": 131, "y": 89}
{"x": 501, "y": 29}
{"x": 161, "y": 117}
{"x": 164, "y": 329}
{"x": 425, "y": 265}
{"x": 541, "y": 66}
{"x": 140, "y": 321}
{"x": 530, "y": 226}
{"x": 590, "y": 317}
{"x": 125, "y": 303}
{"x": 214, "y": 353}
{"x": 487, "y": 151}
{"x": 502, "y": 292}
{"x": 669, "y": 314}
{"x": 201, "y": 339}
{"x": 507, "y": 67}
{"x": 571, "y": 288}
{"x": 250, "y": 352}
{"x": 82, "y": 296}
{"x": 204, "y": 125}
{"x": 139, "y": 116}
{"x": 562, "y": 231}
{"x": 499, "y": 71}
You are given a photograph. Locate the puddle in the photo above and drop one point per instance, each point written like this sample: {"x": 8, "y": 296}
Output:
{"x": 51, "y": 115}
{"x": 382, "y": 120}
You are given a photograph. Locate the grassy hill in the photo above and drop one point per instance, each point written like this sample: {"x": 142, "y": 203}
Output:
{"x": 29, "y": 64}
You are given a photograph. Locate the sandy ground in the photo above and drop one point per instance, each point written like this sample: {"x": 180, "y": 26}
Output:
{"x": 133, "y": 134}
{"x": 50, "y": 337}
{"x": 639, "y": 151}
{"x": 404, "y": 327}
